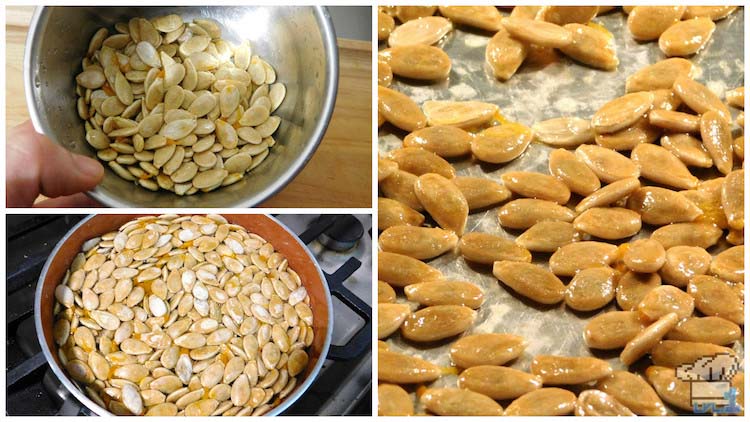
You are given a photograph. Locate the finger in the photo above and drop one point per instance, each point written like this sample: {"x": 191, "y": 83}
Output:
{"x": 79, "y": 200}
{"x": 35, "y": 165}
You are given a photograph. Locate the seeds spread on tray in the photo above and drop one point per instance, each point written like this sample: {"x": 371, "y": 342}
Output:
{"x": 639, "y": 204}
{"x": 186, "y": 315}
{"x": 171, "y": 105}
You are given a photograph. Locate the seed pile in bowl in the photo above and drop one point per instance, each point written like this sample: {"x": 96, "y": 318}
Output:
{"x": 171, "y": 105}
{"x": 631, "y": 222}
{"x": 183, "y": 315}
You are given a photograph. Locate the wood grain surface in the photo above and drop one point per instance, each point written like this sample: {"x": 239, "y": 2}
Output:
{"x": 339, "y": 173}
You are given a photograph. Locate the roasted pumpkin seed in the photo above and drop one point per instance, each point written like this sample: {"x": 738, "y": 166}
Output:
{"x": 530, "y": 280}
{"x": 437, "y": 322}
{"x": 417, "y": 242}
{"x": 486, "y": 349}
{"x": 443, "y": 200}
{"x": 559, "y": 370}
{"x": 485, "y": 248}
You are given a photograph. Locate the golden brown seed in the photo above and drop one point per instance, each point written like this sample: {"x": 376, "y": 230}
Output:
{"x": 418, "y": 161}
{"x": 393, "y": 213}
{"x": 386, "y": 168}
{"x": 699, "y": 98}
{"x": 547, "y": 236}
{"x": 641, "y": 132}
{"x": 407, "y": 13}
{"x": 599, "y": 403}
{"x": 400, "y": 110}
{"x": 543, "y": 402}
{"x": 689, "y": 234}
{"x": 530, "y": 280}
{"x": 385, "y": 26}
{"x": 400, "y": 270}
{"x": 715, "y": 297}
{"x": 622, "y": 112}
{"x": 560, "y": 370}
{"x": 461, "y": 114}
{"x": 417, "y": 242}
{"x": 443, "y": 200}
{"x": 459, "y": 402}
{"x": 729, "y": 264}
{"x": 505, "y": 54}
{"x": 733, "y": 199}
{"x": 664, "y": 300}
{"x": 634, "y": 392}
{"x": 486, "y": 248}
{"x": 670, "y": 388}
{"x": 563, "y": 131}
{"x": 562, "y": 15}
{"x": 648, "y": 338}
{"x": 419, "y": 61}
{"x": 399, "y": 186}
{"x": 612, "y": 330}
{"x": 386, "y": 294}
{"x": 390, "y": 318}
{"x": 673, "y": 353}
{"x": 644, "y": 256}
{"x": 687, "y": 37}
{"x": 433, "y": 293}
{"x": 483, "y": 17}
{"x": 437, "y": 322}
{"x": 575, "y": 256}
{"x": 578, "y": 177}
{"x": 486, "y": 349}
{"x": 647, "y": 23}
{"x": 609, "y": 166}
{"x": 445, "y": 141}
{"x": 500, "y": 144}
{"x": 608, "y": 223}
{"x": 683, "y": 263}
{"x": 427, "y": 30}
{"x": 659, "y": 206}
{"x": 710, "y": 329}
{"x": 591, "y": 46}
{"x": 398, "y": 368}
{"x": 385, "y": 74}
{"x": 481, "y": 192}
{"x": 498, "y": 382}
{"x": 660, "y": 75}
{"x": 536, "y": 32}
{"x": 717, "y": 138}
{"x": 394, "y": 401}
{"x": 525, "y": 212}
{"x": 688, "y": 149}
{"x": 633, "y": 287}
{"x": 736, "y": 97}
{"x": 661, "y": 166}
{"x": 674, "y": 121}
{"x": 591, "y": 288}
{"x": 536, "y": 185}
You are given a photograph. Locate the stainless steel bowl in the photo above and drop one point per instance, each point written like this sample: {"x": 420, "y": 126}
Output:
{"x": 299, "y": 42}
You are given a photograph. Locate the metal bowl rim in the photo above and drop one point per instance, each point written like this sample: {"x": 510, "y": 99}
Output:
{"x": 93, "y": 406}
{"x": 328, "y": 35}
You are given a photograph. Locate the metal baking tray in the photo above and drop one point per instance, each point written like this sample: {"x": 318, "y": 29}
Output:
{"x": 536, "y": 93}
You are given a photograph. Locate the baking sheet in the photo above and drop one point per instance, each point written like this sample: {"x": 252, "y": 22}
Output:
{"x": 533, "y": 94}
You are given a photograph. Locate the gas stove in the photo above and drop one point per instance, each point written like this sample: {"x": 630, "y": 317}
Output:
{"x": 342, "y": 245}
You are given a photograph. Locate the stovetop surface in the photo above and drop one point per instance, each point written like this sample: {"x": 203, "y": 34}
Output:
{"x": 342, "y": 387}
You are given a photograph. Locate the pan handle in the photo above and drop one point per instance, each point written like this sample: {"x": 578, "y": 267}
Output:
{"x": 362, "y": 339}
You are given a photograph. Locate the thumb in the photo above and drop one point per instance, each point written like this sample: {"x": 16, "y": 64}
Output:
{"x": 35, "y": 165}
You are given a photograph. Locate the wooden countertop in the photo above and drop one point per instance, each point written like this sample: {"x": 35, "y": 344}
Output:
{"x": 339, "y": 173}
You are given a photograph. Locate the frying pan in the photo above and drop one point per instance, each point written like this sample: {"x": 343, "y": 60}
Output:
{"x": 283, "y": 240}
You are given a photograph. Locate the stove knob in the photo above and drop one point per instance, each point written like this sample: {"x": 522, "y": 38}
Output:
{"x": 343, "y": 234}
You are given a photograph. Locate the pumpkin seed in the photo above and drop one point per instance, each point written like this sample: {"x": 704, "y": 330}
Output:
{"x": 486, "y": 349}
{"x": 622, "y": 112}
{"x": 670, "y": 388}
{"x": 500, "y": 144}
{"x": 419, "y": 61}
{"x": 648, "y": 338}
{"x": 399, "y": 186}
{"x": 400, "y": 270}
{"x": 437, "y": 322}
{"x": 660, "y": 75}
{"x": 674, "y": 121}
{"x": 390, "y": 318}
{"x": 386, "y": 294}
{"x": 714, "y": 297}
{"x": 485, "y": 248}
{"x": 647, "y": 23}
{"x": 547, "y": 236}
{"x": 689, "y": 234}
{"x": 599, "y": 403}
{"x": 543, "y": 402}
{"x": 400, "y": 110}
{"x": 673, "y": 353}
{"x": 699, "y": 98}
{"x": 480, "y": 192}
{"x": 688, "y": 149}
{"x": 419, "y": 161}
{"x": 609, "y": 166}
{"x": 417, "y": 242}
{"x": 608, "y": 223}
{"x": 634, "y": 392}
{"x": 591, "y": 288}
{"x": 498, "y": 382}
{"x": 728, "y": 264}
{"x": 713, "y": 12}
{"x": 661, "y": 166}
{"x": 398, "y": 368}
{"x": 432, "y": 293}
{"x": 563, "y": 132}
{"x": 541, "y": 33}
{"x": 459, "y": 402}
{"x": 461, "y": 114}
{"x": 445, "y": 141}
{"x": 537, "y": 185}
{"x": 557, "y": 370}
{"x": 659, "y": 206}
{"x": 572, "y": 172}
{"x": 504, "y": 54}
{"x": 664, "y": 300}
{"x": 687, "y": 37}
{"x": 483, "y": 17}
{"x": 386, "y": 24}
{"x": 645, "y": 256}
{"x": 524, "y": 213}
{"x": 732, "y": 199}
{"x": 683, "y": 263}
{"x": 530, "y": 280}
{"x": 710, "y": 329}
{"x": 570, "y": 258}
{"x": 427, "y": 30}
{"x": 591, "y": 47}
{"x": 394, "y": 401}
{"x": 633, "y": 287}
{"x": 612, "y": 330}
{"x": 393, "y": 213}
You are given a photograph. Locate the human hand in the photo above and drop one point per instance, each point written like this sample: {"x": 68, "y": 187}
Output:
{"x": 35, "y": 165}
